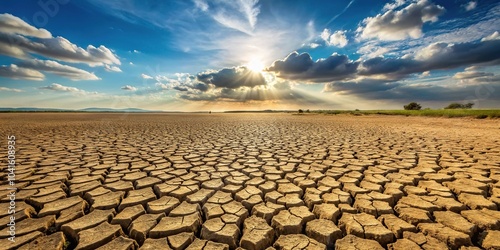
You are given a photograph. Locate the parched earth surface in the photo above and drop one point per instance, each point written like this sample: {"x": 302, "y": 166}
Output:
{"x": 251, "y": 181}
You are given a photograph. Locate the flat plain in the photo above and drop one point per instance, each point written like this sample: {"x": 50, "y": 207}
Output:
{"x": 251, "y": 181}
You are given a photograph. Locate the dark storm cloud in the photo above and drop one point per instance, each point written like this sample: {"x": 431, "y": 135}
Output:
{"x": 361, "y": 87}
{"x": 200, "y": 86}
{"x": 383, "y": 90}
{"x": 301, "y": 67}
{"x": 447, "y": 56}
{"x": 442, "y": 93}
{"x": 294, "y": 63}
{"x": 390, "y": 67}
{"x": 334, "y": 67}
{"x": 180, "y": 88}
{"x": 374, "y": 78}
{"x": 437, "y": 56}
{"x": 469, "y": 85}
{"x": 232, "y": 78}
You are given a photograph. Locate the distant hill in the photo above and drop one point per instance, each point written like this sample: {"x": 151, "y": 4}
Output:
{"x": 30, "y": 109}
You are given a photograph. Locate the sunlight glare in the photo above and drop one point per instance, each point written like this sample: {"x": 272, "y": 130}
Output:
{"x": 255, "y": 65}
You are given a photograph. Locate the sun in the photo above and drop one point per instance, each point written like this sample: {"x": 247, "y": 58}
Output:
{"x": 255, "y": 65}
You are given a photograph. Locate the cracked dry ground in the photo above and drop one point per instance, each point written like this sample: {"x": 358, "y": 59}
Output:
{"x": 252, "y": 181}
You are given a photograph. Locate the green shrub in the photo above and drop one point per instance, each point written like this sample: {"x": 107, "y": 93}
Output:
{"x": 457, "y": 105}
{"x": 412, "y": 106}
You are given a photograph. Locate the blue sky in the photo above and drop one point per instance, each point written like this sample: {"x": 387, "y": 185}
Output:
{"x": 248, "y": 54}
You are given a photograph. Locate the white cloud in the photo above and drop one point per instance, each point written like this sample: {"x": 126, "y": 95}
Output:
{"x": 16, "y": 40}
{"x": 162, "y": 85}
{"x": 201, "y": 4}
{"x": 473, "y": 68}
{"x": 238, "y": 15}
{"x": 58, "y": 48}
{"x": 10, "y": 89}
{"x": 61, "y": 88}
{"x": 15, "y": 25}
{"x": 250, "y": 9}
{"x": 424, "y": 74}
{"x": 493, "y": 36}
{"x": 110, "y": 68}
{"x": 432, "y": 50}
{"x": 400, "y": 24}
{"x": 72, "y": 90}
{"x": 371, "y": 50}
{"x": 325, "y": 35}
{"x": 56, "y": 68}
{"x": 314, "y": 45}
{"x": 394, "y": 5}
{"x": 30, "y": 70}
{"x": 338, "y": 38}
{"x": 471, "y": 74}
{"x": 178, "y": 81}
{"x": 144, "y": 76}
{"x": 470, "y": 6}
{"x": 129, "y": 88}
{"x": 15, "y": 72}
{"x": 480, "y": 24}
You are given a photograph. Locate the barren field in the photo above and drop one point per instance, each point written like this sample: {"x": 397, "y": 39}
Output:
{"x": 250, "y": 181}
